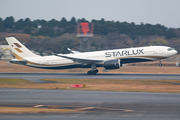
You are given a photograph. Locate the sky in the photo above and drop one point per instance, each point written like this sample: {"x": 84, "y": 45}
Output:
{"x": 164, "y": 12}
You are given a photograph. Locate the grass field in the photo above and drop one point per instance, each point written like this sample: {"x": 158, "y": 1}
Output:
{"x": 20, "y": 110}
{"x": 164, "y": 86}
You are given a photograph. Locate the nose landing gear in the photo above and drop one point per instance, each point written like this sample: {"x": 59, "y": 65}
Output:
{"x": 160, "y": 64}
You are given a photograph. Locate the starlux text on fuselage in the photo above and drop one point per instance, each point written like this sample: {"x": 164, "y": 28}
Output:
{"x": 124, "y": 53}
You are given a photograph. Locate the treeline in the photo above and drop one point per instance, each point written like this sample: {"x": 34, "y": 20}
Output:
{"x": 55, "y": 28}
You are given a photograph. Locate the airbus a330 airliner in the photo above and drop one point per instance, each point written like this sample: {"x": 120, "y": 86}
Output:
{"x": 109, "y": 59}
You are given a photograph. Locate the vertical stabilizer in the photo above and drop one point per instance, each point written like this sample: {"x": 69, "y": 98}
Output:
{"x": 18, "y": 49}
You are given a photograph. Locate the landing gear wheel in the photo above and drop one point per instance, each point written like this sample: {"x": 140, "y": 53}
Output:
{"x": 160, "y": 65}
{"x": 92, "y": 72}
{"x": 89, "y": 73}
{"x": 96, "y": 70}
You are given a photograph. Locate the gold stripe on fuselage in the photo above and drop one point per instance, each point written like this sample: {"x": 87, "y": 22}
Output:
{"x": 33, "y": 63}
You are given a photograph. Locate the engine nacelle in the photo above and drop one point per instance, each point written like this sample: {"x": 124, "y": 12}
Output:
{"x": 112, "y": 64}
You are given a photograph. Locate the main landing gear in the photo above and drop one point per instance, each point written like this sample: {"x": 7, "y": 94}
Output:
{"x": 93, "y": 70}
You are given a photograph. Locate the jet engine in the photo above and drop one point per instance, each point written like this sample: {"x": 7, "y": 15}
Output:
{"x": 112, "y": 64}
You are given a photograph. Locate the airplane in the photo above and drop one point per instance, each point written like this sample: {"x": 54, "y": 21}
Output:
{"x": 109, "y": 59}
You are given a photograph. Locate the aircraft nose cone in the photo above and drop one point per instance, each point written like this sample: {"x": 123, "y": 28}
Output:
{"x": 175, "y": 52}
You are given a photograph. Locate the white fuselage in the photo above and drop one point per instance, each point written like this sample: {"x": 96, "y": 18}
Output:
{"x": 129, "y": 55}
{"x": 109, "y": 59}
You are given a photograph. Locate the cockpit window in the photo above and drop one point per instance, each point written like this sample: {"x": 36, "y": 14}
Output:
{"x": 169, "y": 49}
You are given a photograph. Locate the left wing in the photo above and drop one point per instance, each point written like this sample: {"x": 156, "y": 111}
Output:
{"x": 81, "y": 60}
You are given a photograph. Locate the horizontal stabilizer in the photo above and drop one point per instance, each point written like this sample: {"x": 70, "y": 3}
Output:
{"x": 15, "y": 61}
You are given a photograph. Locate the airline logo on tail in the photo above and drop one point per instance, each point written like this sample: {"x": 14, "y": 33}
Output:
{"x": 17, "y": 49}
{"x": 18, "y": 45}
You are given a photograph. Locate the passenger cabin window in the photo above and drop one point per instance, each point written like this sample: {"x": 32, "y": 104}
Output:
{"x": 169, "y": 49}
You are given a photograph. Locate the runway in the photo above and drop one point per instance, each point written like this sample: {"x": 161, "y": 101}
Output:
{"x": 145, "y": 106}
{"x": 35, "y": 77}
{"x": 104, "y": 105}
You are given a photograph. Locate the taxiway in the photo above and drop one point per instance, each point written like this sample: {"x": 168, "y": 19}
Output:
{"x": 35, "y": 77}
{"x": 108, "y": 105}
